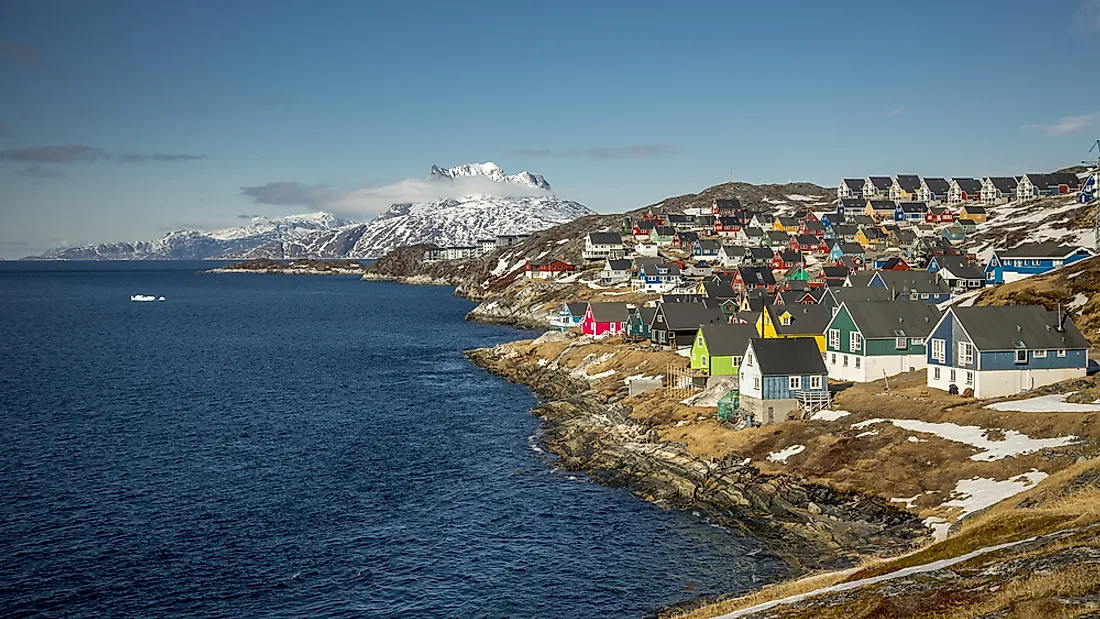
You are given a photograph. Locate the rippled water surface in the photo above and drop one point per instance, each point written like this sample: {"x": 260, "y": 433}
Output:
{"x": 300, "y": 446}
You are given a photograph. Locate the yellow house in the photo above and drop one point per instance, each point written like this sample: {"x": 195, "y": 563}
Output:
{"x": 786, "y": 224}
{"x": 906, "y": 187}
{"x": 870, "y": 237}
{"x": 788, "y": 321}
{"x": 974, "y": 212}
{"x": 880, "y": 209}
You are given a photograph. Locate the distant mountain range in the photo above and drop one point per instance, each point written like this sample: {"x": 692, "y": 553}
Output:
{"x": 452, "y": 221}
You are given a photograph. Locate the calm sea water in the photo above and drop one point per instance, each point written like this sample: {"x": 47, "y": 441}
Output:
{"x": 300, "y": 446}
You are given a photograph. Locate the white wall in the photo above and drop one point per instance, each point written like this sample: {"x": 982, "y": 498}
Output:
{"x": 998, "y": 383}
{"x": 747, "y": 377}
{"x": 871, "y": 368}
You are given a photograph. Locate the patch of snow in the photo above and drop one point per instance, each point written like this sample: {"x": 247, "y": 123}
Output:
{"x": 828, "y": 415}
{"x": 745, "y": 462}
{"x": 501, "y": 268}
{"x": 568, "y": 279}
{"x": 594, "y": 286}
{"x": 1055, "y": 403}
{"x": 1079, "y": 301}
{"x": 783, "y": 454}
{"x": 797, "y": 197}
{"x": 563, "y": 241}
{"x": 684, "y": 352}
{"x": 913, "y": 439}
{"x": 867, "y": 433}
{"x": 713, "y": 393}
{"x": 599, "y": 375}
{"x": 940, "y": 527}
{"x": 908, "y": 502}
{"x": 978, "y": 493}
{"x": 1014, "y": 443}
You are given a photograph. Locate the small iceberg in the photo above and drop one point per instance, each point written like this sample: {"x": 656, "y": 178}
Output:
{"x": 145, "y": 297}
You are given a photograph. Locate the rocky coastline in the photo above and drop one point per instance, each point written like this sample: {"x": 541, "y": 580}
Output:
{"x": 294, "y": 267}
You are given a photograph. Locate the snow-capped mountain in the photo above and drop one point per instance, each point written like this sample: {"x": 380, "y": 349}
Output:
{"x": 491, "y": 171}
{"x": 453, "y": 221}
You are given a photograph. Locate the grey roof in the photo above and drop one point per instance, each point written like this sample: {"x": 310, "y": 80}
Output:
{"x": 807, "y": 239}
{"x": 652, "y": 268}
{"x": 710, "y": 244}
{"x": 969, "y": 185}
{"x": 856, "y": 295}
{"x": 716, "y": 290}
{"x": 805, "y": 319}
{"x": 788, "y": 221}
{"x": 913, "y": 207}
{"x": 690, "y": 316}
{"x": 814, "y": 225}
{"x": 605, "y": 238}
{"x": 704, "y": 220}
{"x": 779, "y": 235}
{"x": 863, "y": 220}
{"x": 1017, "y": 326}
{"x": 793, "y": 356}
{"x": 752, "y": 231}
{"x": 680, "y": 218}
{"x": 883, "y": 205}
{"x": 881, "y": 182}
{"x": 1037, "y": 250}
{"x": 1004, "y": 184}
{"x": 937, "y": 185}
{"x": 959, "y": 267}
{"x": 687, "y": 237}
{"x": 1066, "y": 178}
{"x": 645, "y": 224}
{"x": 645, "y": 313}
{"x": 734, "y": 250}
{"x": 619, "y": 265}
{"x": 728, "y": 204}
{"x": 750, "y": 317}
{"x": 903, "y": 282}
{"x": 852, "y": 203}
{"x": 761, "y": 253}
{"x": 757, "y": 275}
{"x": 908, "y": 182}
{"x": 1042, "y": 181}
{"x": 845, "y": 229}
{"x": 577, "y": 308}
{"x": 860, "y": 279}
{"x": 681, "y": 298}
{"x": 897, "y": 319}
{"x": 849, "y": 248}
{"x": 665, "y": 231}
{"x": 788, "y": 255}
{"x": 609, "y": 312}
{"x": 728, "y": 340}
{"x": 905, "y": 236}
{"x": 974, "y": 209}
{"x": 873, "y": 232}
{"x": 789, "y": 297}
{"x": 834, "y": 272}
{"x": 855, "y": 184}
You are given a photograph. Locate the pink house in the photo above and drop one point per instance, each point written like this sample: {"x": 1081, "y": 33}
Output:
{"x": 605, "y": 319}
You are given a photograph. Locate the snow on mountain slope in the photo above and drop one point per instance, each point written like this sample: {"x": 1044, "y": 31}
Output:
{"x": 1057, "y": 218}
{"x": 491, "y": 171}
{"x": 444, "y": 222}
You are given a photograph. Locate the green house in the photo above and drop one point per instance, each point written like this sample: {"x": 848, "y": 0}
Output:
{"x": 870, "y": 340}
{"x": 718, "y": 348}
{"x": 637, "y": 325}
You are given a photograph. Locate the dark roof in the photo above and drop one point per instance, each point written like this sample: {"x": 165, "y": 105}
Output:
{"x": 725, "y": 340}
{"x": 619, "y": 265}
{"x": 735, "y": 250}
{"x": 750, "y": 317}
{"x": 789, "y": 297}
{"x": 788, "y": 255}
{"x": 665, "y": 230}
{"x": 761, "y": 253}
{"x": 861, "y": 279}
{"x": 645, "y": 224}
{"x": 897, "y": 319}
{"x": 705, "y": 220}
{"x": 717, "y": 290}
{"x": 852, "y": 203}
{"x": 849, "y": 262}
{"x": 908, "y": 182}
{"x": 728, "y": 204}
{"x": 710, "y": 244}
{"x": 577, "y": 308}
{"x": 1042, "y": 181}
{"x": 690, "y": 316}
{"x": 807, "y": 239}
{"x": 605, "y": 238}
{"x": 844, "y": 229}
{"x": 905, "y": 236}
{"x": 863, "y": 294}
{"x": 855, "y": 184}
{"x": 969, "y": 185}
{"x": 892, "y": 262}
{"x": 688, "y": 237}
{"x": 779, "y": 235}
{"x": 790, "y": 222}
{"x": 1004, "y": 184}
{"x": 1017, "y": 326}
{"x": 937, "y": 185}
{"x": 863, "y": 220}
{"x": 907, "y": 282}
{"x": 793, "y": 356}
{"x": 645, "y": 314}
{"x": 680, "y": 218}
{"x": 757, "y": 275}
{"x": 834, "y": 272}
{"x": 609, "y": 312}
{"x": 729, "y": 221}
{"x": 1066, "y": 178}
{"x": 849, "y": 248}
{"x": 814, "y": 225}
{"x": 881, "y": 182}
{"x": 959, "y": 267}
{"x": 873, "y": 232}
{"x": 883, "y": 205}
{"x": 752, "y": 231}
{"x": 797, "y": 285}
{"x": 1037, "y": 250}
{"x": 974, "y": 209}
{"x": 913, "y": 207}
{"x": 681, "y": 298}
{"x": 805, "y": 319}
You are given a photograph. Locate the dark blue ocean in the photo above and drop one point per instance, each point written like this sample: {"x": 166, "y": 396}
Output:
{"x": 300, "y": 446}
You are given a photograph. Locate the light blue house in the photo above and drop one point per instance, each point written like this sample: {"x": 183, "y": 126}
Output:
{"x": 779, "y": 376}
{"x": 1009, "y": 265}
{"x": 843, "y": 248}
{"x": 569, "y": 316}
{"x": 912, "y": 285}
{"x": 1000, "y": 351}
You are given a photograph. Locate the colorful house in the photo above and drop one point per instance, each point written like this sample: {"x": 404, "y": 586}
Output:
{"x": 880, "y": 209}
{"x": 834, "y": 297}
{"x": 910, "y": 212}
{"x": 719, "y": 348}
{"x": 998, "y": 189}
{"x": 727, "y": 226}
{"x": 905, "y": 188}
{"x": 776, "y": 238}
{"x": 933, "y": 190}
{"x": 605, "y": 319}
{"x": 706, "y": 249}
{"x": 547, "y": 269}
{"x": 662, "y": 235}
{"x": 912, "y": 285}
{"x": 963, "y": 190}
{"x": 868, "y": 341}
{"x": 852, "y": 206}
{"x": 939, "y": 215}
{"x": 957, "y": 272}
{"x": 569, "y": 316}
{"x": 722, "y": 207}
{"x": 637, "y": 326}
{"x": 877, "y": 187}
{"x": 844, "y": 232}
{"x": 1009, "y": 265}
{"x": 675, "y": 324}
{"x": 841, "y": 249}
{"x": 787, "y": 321}
{"x": 754, "y": 278}
{"x": 656, "y": 276}
{"x": 778, "y": 376}
{"x": 1001, "y": 351}
{"x": 850, "y": 188}
{"x": 973, "y": 212}
{"x": 786, "y": 224}
{"x": 785, "y": 259}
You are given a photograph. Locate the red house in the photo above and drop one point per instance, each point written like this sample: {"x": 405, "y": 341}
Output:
{"x": 605, "y": 319}
{"x": 754, "y": 278}
{"x": 894, "y": 264}
{"x": 786, "y": 259}
{"x": 939, "y": 215}
{"x": 804, "y": 243}
{"x": 725, "y": 207}
{"x": 815, "y": 228}
{"x": 726, "y": 226}
{"x": 808, "y": 216}
{"x": 548, "y": 269}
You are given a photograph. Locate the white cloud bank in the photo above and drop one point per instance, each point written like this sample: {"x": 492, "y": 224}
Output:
{"x": 1068, "y": 125}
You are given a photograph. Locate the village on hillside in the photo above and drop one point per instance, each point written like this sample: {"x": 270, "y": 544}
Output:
{"x": 771, "y": 304}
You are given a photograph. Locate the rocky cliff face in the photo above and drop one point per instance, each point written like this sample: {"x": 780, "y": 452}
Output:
{"x": 811, "y": 526}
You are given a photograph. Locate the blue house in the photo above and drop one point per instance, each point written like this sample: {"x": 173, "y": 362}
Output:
{"x": 569, "y": 316}
{"x": 954, "y": 233}
{"x": 779, "y": 376}
{"x": 705, "y": 249}
{"x": 910, "y": 212}
{"x": 656, "y": 277}
{"x": 829, "y": 219}
{"x": 842, "y": 248}
{"x": 912, "y": 285}
{"x": 1000, "y": 351}
{"x": 1009, "y": 265}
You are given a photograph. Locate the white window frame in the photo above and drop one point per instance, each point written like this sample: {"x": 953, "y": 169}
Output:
{"x": 859, "y": 362}
{"x": 855, "y": 341}
{"x": 966, "y": 353}
{"x": 834, "y": 338}
{"x": 815, "y": 383}
{"x": 1038, "y": 354}
{"x": 794, "y": 383}
{"x": 901, "y": 343}
{"x": 916, "y": 341}
{"x": 935, "y": 372}
{"x": 1024, "y": 359}
{"x": 939, "y": 350}
{"x": 1062, "y": 353}
{"x": 969, "y": 377}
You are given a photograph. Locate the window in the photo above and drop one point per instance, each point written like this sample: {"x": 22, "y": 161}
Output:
{"x": 832, "y": 361}
{"x": 858, "y": 361}
{"x": 703, "y": 359}
{"x": 901, "y": 343}
{"x": 748, "y": 359}
{"x": 938, "y": 353}
{"x": 856, "y": 342}
{"x": 966, "y": 353}
{"x": 1021, "y": 356}
{"x": 784, "y": 320}
{"x": 1039, "y": 354}
{"x": 815, "y": 382}
{"x": 936, "y": 373}
{"x": 924, "y": 295}
{"x": 756, "y": 382}
{"x": 845, "y": 364}
{"x": 834, "y": 338}
{"x": 1062, "y": 353}
{"x": 916, "y": 341}
{"x": 794, "y": 383}
{"x": 951, "y": 375}
{"x": 970, "y": 378}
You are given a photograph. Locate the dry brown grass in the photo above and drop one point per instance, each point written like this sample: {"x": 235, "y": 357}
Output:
{"x": 767, "y": 594}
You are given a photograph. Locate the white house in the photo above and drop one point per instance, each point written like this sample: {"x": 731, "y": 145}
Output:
{"x": 603, "y": 245}
{"x": 933, "y": 190}
{"x": 877, "y": 187}
{"x": 963, "y": 189}
{"x": 998, "y": 189}
{"x": 731, "y": 255}
{"x": 850, "y": 188}
{"x": 615, "y": 271}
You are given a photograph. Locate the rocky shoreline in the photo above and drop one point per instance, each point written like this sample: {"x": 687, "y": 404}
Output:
{"x": 294, "y": 267}
{"x": 809, "y": 526}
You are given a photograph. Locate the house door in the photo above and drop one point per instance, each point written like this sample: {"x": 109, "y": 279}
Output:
{"x": 771, "y": 414}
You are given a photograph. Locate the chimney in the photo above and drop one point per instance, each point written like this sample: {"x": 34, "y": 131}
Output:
{"x": 1062, "y": 316}
{"x": 1019, "y": 329}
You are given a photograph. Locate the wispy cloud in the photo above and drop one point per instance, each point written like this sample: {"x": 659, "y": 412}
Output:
{"x": 5, "y": 132}
{"x": 604, "y": 152}
{"x": 75, "y": 153}
{"x": 26, "y": 58}
{"x": 1068, "y": 125}
{"x": 370, "y": 201}
{"x": 37, "y": 171}
{"x": 898, "y": 111}
{"x": 1087, "y": 16}
{"x": 247, "y": 216}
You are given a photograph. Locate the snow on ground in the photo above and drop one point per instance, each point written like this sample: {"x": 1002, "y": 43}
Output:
{"x": 828, "y": 415}
{"x": 684, "y": 352}
{"x": 1055, "y": 403}
{"x": 913, "y": 439}
{"x": 1079, "y": 301}
{"x": 615, "y": 294}
{"x": 908, "y": 502}
{"x": 594, "y": 286}
{"x": 965, "y": 299}
{"x": 569, "y": 279}
{"x": 801, "y": 198}
{"x": 783, "y": 454}
{"x": 581, "y": 371}
{"x": 1014, "y": 443}
{"x": 978, "y": 493}
{"x": 867, "y": 433}
{"x": 501, "y": 268}
{"x": 599, "y": 375}
{"x": 713, "y": 393}
{"x": 563, "y": 241}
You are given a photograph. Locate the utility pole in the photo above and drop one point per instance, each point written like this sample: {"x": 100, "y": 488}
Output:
{"x": 1093, "y": 195}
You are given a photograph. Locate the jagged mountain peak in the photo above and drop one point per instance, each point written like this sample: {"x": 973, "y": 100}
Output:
{"x": 489, "y": 170}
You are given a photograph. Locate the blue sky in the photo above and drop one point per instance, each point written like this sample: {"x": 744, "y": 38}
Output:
{"x": 121, "y": 120}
